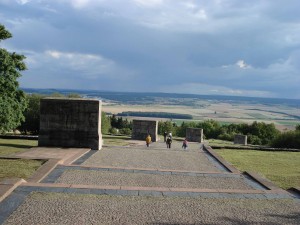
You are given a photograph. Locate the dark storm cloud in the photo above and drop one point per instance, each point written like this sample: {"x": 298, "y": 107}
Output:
{"x": 210, "y": 47}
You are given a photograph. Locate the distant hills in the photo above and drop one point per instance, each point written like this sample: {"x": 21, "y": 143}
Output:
{"x": 165, "y": 98}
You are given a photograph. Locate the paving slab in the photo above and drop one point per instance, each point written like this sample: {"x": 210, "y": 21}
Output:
{"x": 8, "y": 185}
{"x": 66, "y": 155}
{"x": 57, "y": 208}
{"x": 149, "y": 158}
{"x": 144, "y": 179}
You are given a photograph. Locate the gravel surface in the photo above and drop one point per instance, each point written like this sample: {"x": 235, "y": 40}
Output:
{"x": 150, "y": 180}
{"x": 152, "y": 158}
{"x": 55, "y": 208}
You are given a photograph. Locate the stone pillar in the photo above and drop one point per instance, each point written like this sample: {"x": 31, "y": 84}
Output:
{"x": 141, "y": 128}
{"x": 194, "y": 134}
{"x": 70, "y": 123}
{"x": 240, "y": 139}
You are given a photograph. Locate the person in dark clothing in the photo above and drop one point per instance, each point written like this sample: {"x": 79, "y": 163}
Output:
{"x": 169, "y": 141}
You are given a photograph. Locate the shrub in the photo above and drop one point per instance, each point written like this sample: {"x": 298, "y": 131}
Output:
{"x": 125, "y": 131}
{"x": 289, "y": 139}
{"x": 226, "y": 137}
{"x": 113, "y": 130}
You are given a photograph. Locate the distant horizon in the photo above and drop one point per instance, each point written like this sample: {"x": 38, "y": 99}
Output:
{"x": 146, "y": 92}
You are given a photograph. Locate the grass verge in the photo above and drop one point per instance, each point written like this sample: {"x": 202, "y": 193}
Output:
{"x": 12, "y": 146}
{"x": 21, "y": 168}
{"x": 282, "y": 168}
{"x": 111, "y": 140}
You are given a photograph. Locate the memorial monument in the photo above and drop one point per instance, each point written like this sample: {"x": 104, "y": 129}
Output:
{"x": 70, "y": 123}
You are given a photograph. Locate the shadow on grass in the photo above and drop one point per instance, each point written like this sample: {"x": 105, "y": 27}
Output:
{"x": 17, "y": 145}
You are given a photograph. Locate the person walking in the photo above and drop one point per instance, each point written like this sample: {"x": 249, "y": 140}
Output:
{"x": 185, "y": 144}
{"x": 169, "y": 141}
{"x": 148, "y": 140}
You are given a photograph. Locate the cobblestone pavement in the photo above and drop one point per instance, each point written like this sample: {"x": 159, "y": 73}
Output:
{"x": 151, "y": 180}
{"x": 155, "y": 185}
{"x": 152, "y": 158}
{"x": 56, "y": 208}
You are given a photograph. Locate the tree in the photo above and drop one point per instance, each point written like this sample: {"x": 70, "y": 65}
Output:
{"x": 211, "y": 128}
{"x": 12, "y": 99}
{"x": 166, "y": 126}
{"x": 32, "y": 115}
{"x": 105, "y": 123}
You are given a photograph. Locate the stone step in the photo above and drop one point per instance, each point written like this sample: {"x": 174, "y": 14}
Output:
{"x": 149, "y": 178}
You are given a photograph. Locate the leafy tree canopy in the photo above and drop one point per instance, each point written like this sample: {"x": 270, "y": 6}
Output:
{"x": 12, "y": 99}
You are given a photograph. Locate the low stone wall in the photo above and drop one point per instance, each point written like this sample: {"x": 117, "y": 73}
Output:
{"x": 240, "y": 139}
{"x": 70, "y": 123}
{"x": 141, "y": 128}
{"x": 194, "y": 134}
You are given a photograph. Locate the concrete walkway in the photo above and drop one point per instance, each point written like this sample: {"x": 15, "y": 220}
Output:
{"x": 155, "y": 185}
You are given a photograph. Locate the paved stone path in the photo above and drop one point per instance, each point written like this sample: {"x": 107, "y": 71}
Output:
{"x": 140, "y": 185}
{"x": 148, "y": 158}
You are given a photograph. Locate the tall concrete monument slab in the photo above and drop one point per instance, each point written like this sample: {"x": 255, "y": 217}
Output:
{"x": 141, "y": 128}
{"x": 194, "y": 134}
{"x": 70, "y": 123}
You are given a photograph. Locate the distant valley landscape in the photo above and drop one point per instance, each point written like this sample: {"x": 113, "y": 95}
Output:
{"x": 284, "y": 113}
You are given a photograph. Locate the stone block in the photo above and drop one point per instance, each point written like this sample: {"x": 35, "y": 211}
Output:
{"x": 70, "y": 123}
{"x": 141, "y": 128}
{"x": 194, "y": 134}
{"x": 240, "y": 139}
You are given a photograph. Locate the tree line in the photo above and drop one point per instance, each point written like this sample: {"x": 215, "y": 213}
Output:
{"x": 156, "y": 115}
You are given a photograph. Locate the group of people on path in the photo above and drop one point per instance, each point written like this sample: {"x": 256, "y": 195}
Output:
{"x": 167, "y": 140}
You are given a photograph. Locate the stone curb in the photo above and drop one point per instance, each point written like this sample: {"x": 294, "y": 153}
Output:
{"x": 7, "y": 186}
{"x": 157, "y": 189}
{"x": 24, "y": 137}
{"x": 152, "y": 191}
{"x": 265, "y": 182}
{"x": 44, "y": 170}
{"x": 257, "y": 148}
{"x": 76, "y": 157}
{"x": 295, "y": 189}
{"x": 229, "y": 167}
{"x": 24, "y": 157}
{"x": 148, "y": 169}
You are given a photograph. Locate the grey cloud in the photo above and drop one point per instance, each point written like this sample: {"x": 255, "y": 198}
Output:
{"x": 168, "y": 42}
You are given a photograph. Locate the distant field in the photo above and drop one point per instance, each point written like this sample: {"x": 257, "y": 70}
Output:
{"x": 225, "y": 113}
{"x": 284, "y": 113}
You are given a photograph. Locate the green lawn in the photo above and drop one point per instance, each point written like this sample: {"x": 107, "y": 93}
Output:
{"x": 21, "y": 168}
{"x": 12, "y": 146}
{"x": 221, "y": 143}
{"x": 111, "y": 140}
{"x": 283, "y": 168}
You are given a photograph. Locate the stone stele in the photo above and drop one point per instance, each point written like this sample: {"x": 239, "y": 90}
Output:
{"x": 240, "y": 139}
{"x": 70, "y": 123}
{"x": 141, "y": 128}
{"x": 194, "y": 134}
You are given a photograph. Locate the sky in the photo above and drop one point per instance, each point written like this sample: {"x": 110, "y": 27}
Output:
{"x": 212, "y": 47}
